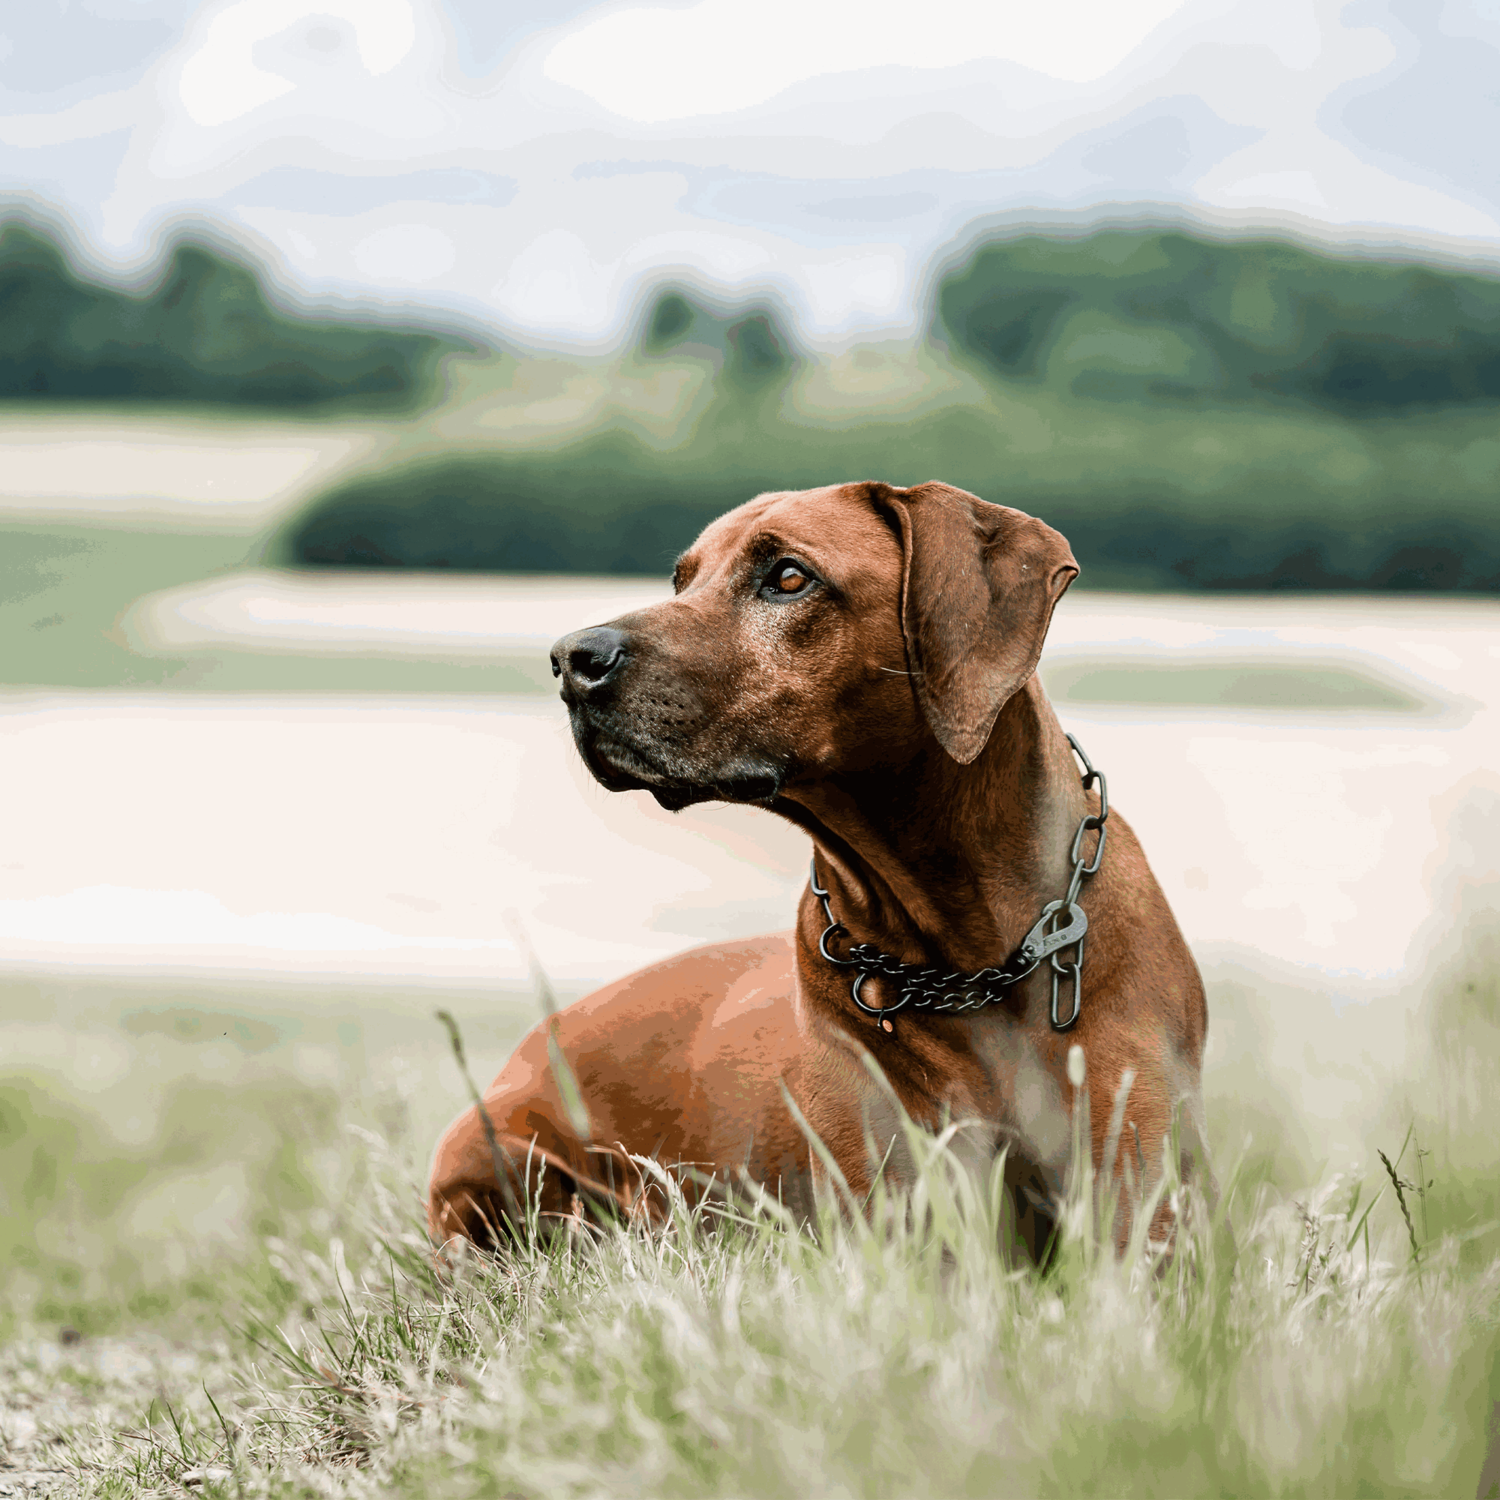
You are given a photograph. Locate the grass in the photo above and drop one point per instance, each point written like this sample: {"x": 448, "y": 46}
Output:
{"x": 1290, "y": 1346}
{"x": 1316, "y": 1332}
{"x": 732, "y": 1354}
{"x": 153, "y": 1134}
{"x": 63, "y": 589}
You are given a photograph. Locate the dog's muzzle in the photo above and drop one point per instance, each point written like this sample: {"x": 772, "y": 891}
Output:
{"x": 623, "y": 746}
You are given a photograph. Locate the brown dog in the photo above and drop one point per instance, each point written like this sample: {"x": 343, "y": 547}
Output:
{"x": 859, "y": 659}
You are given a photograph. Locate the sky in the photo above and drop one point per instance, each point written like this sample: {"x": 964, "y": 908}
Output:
{"x": 539, "y": 165}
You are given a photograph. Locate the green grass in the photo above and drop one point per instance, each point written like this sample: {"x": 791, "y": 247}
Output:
{"x": 63, "y": 589}
{"x": 153, "y": 1134}
{"x": 733, "y": 1354}
{"x": 1307, "y": 1337}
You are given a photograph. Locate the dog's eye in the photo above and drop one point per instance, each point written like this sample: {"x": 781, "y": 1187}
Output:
{"x": 786, "y": 579}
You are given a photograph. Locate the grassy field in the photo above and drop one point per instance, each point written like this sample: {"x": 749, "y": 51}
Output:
{"x": 216, "y": 1281}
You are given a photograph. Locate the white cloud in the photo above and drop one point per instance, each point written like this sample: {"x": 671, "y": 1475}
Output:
{"x": 222, "y": 79}
{"x": 405, "y": 254}
{"x": 1276, "y": 189}
{"x": 83, "y": 121}
{"x": 726, "y": 259}
{"x": 555, "y": 284}
{"x": 857, "y": 288}
{"x": 720, "y": 55}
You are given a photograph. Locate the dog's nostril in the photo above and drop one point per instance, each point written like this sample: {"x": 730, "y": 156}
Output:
{"x": 593, "y": 655}
{"x": 594, "y": 666}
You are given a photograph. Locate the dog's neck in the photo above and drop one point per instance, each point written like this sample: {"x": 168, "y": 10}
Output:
{"x": 937, "y": 862}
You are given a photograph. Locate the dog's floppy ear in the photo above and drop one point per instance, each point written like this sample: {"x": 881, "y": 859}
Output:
{"x": 978, "y": 586}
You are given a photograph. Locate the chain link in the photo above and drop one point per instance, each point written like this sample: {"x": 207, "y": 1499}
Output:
{"x": 1061, "y": 926}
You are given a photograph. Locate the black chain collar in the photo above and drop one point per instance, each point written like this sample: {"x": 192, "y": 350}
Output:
{"x": 1061, "y": 925}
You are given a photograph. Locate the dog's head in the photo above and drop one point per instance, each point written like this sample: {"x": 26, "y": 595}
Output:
{"x": 817, "y": 631}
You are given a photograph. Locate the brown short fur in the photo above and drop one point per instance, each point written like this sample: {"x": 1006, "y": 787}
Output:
{"x": 889, "y": 707}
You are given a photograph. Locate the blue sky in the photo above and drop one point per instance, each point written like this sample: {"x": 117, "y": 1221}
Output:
{"x": 535, "y": 165}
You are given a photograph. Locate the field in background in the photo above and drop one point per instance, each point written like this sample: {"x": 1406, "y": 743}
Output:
{"x": 1195, "y": 412}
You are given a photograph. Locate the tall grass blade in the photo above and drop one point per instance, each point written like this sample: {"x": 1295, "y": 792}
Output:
{"x": 562, "y": 1070}
{"x": 498, "y": 1154}
{"x": 1108, "y": 1187}
{"x": 1396, "y": 1182}
{"x": 824, "y": 1155}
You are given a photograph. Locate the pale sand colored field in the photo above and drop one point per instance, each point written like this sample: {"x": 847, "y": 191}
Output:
{"x": 389, "y": 835}
{"x": 171, "y": 468}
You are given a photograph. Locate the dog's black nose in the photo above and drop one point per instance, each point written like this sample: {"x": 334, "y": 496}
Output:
{"x": 588, "y": 659}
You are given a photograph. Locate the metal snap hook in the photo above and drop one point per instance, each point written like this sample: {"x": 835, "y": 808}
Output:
{"x": 1074, "y": 972}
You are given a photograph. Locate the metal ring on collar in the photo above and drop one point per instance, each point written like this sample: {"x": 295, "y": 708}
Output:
{"x": 842, "y": 963}
{"x": 880, "y": 1011}
{"x": 927, "y": 987}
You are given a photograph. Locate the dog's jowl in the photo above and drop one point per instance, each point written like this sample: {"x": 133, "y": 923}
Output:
{"x": 861, "y": 660}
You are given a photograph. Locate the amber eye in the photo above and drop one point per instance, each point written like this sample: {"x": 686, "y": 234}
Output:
{"x": 787, "y": 578}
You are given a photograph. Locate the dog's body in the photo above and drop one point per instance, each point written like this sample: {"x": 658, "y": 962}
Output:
{"x": 859, "y": 659}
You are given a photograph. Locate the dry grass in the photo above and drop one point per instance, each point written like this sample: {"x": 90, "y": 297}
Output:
{"x": 1317, "y": 1332}
{"x": 1290, "y": 1346}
